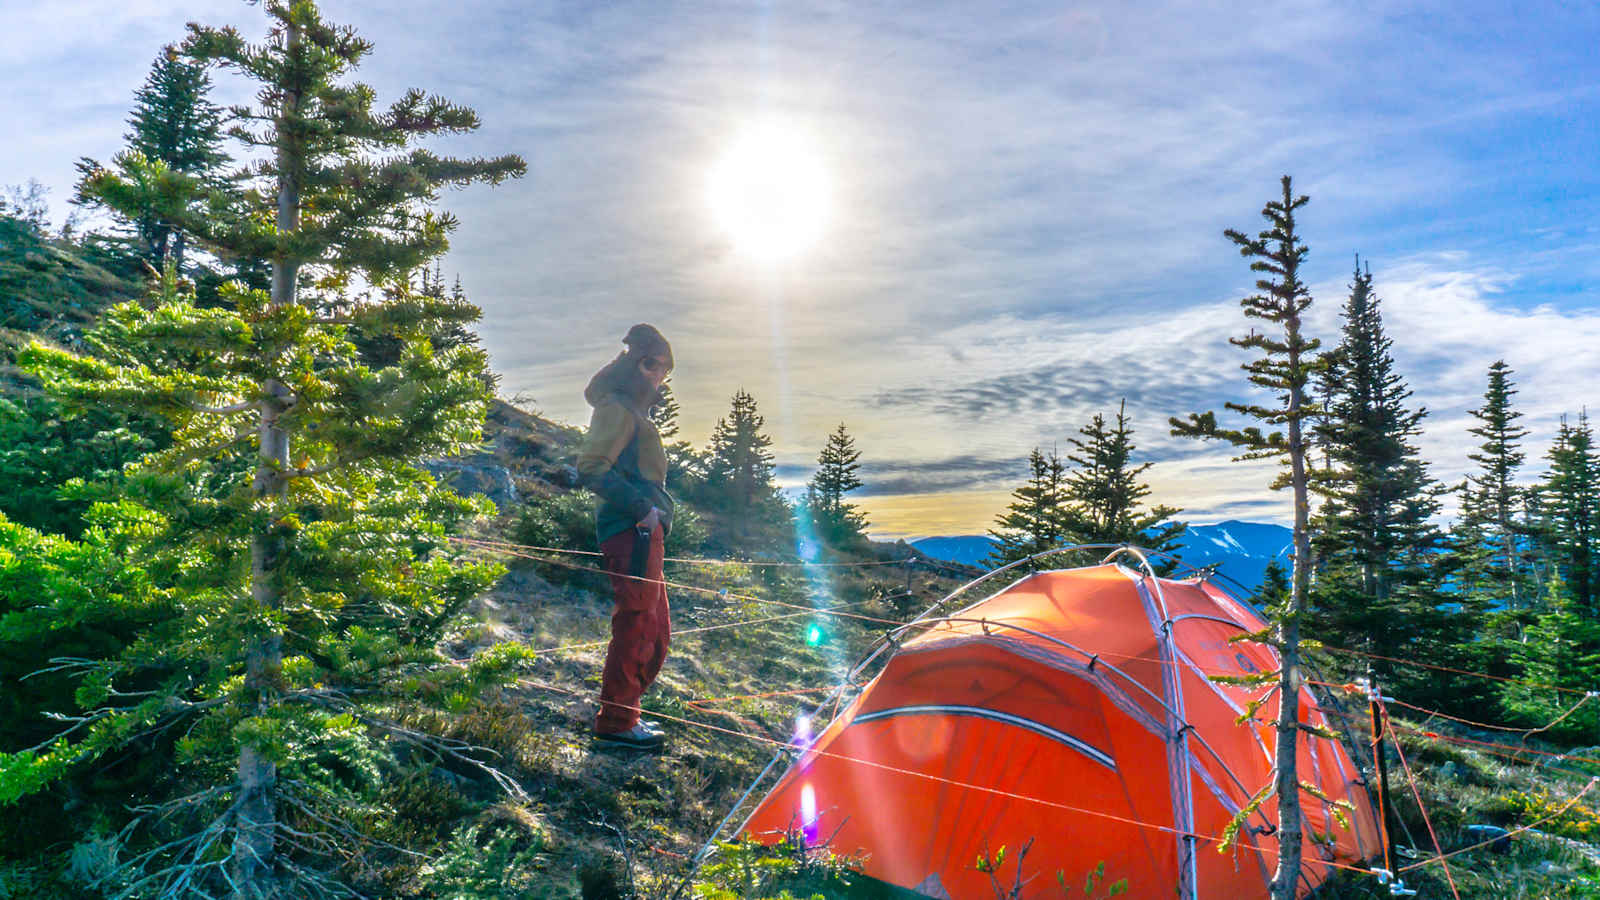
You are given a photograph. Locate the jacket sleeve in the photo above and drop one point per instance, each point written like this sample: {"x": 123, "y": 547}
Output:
{"x": 610, "y": 429}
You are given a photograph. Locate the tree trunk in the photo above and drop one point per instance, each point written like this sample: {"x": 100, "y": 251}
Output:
{"x": 1511, "y": 556}
{"x": 256, "y": 818}
{"x": 255, "y": 834}
{"x": 178, "y": 240}
{"x": 1290, "y": 826}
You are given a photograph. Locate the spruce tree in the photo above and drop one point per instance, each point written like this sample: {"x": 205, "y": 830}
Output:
{"x": 686, "y": 466}
{"x": 1286, "y": 366}
{"x": 1558, "y": 659}
{"x": 664, "y": 414}
{"x": 174, "y": 151}
{"x": 836, "y": 521}
{"x": 1376, "y": 547}
{"x": 738, "y": 485}
{"x": 1569, "y": 512}
{"x": 1105, "y": 496}
{"x": 302, "y": 543}
{"x": 1377, "y": 495}
{"x": 1273, "y": 591}
{"x": 1491, "y": 531}
{"x": 1036, "y": 519}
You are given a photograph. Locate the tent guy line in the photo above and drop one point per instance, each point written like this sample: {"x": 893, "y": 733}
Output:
{"x": 505, "y": 548}
{"x": 786, "y": 745}
{"x": 696, "y": 561}
{"x": 1525, "y": 732}
{"x": 1411, "y": 779}
{"x": 511, "y": 549}
{"x": 774, "y": 742}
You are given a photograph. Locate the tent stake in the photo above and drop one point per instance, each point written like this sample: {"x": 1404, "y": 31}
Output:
{"x": 1381, "y": 766}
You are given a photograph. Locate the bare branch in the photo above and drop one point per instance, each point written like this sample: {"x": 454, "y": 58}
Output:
{"x": 241, "y": 406}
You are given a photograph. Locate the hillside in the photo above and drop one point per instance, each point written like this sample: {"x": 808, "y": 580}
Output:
{"x": 604, "y": 825}
{"x": 608, "y": 824}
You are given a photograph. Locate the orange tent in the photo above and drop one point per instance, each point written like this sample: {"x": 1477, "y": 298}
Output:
{"x": 1072, "y": 709}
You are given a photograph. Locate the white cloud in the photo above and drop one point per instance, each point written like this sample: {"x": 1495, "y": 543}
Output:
{"x": 1029, "y": 197}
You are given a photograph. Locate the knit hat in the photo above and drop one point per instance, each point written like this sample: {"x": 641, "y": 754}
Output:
{"x": 644, "y": 341}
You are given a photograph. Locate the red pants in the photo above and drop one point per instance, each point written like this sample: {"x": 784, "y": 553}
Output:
{"x": 641, "y": 626}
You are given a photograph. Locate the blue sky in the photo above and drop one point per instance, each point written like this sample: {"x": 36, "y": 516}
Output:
{"x": 1025, "y": 200}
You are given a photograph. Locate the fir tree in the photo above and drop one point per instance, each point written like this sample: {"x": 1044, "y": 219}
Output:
{"x": 1273, "y": 592}
{"x": 1036, "y": 519}
{"x": 836, "y": 521}
{"x": 304, "y": 543}
{"x": 1378, "y": 496}
{"x": 686, "y": 466}
{"x": 1376, "y": 547}
{"x": 1492, "y": 534}
{"x": 174, "y": 152}
{"x": 664, "y": 414}
{"x": 1569, "y": 512}
{"x": 1286, "y": 366}
{"x": 738, "y": 484}
{"x": 1104, "y": 494}
{"x": 1559, "y": 658}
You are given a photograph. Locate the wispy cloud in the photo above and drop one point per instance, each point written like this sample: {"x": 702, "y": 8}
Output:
{"x": 1027, "y": 201}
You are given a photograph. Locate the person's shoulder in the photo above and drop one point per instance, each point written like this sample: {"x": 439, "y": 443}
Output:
{"x": 612, "y": 411}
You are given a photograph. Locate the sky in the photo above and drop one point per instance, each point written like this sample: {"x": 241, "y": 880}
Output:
{"x": 1018, "y": 207}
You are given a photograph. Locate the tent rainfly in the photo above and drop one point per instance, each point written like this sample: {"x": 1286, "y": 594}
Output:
{"x": 1072, "y": 709}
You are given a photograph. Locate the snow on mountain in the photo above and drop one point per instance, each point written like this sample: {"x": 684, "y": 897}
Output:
{"x": 1242, "y": 549}
{"x": 967, "y": 549}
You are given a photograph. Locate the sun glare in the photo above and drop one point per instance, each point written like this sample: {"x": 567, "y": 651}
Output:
{"x": 769, "y": 194}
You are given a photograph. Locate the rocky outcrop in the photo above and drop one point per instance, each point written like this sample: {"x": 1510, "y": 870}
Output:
{"x": 476, "y": 475}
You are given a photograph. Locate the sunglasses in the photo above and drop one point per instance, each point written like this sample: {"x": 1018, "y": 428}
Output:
{"x": 653, "y": 364}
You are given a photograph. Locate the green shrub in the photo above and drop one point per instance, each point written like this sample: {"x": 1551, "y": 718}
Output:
{"x": 487, "y": 863}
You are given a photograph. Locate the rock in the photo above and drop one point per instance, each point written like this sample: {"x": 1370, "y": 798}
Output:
{"x": 1450, "y": 771}
{"x": 468, "y": 477}
{"x": 521, "y": 581}
{"x": 1477, "y": 834}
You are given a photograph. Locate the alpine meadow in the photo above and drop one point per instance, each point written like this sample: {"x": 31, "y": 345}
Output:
{"x": 799, "y": 451}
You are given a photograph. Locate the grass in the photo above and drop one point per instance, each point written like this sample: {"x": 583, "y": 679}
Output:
{"x": 613, "y": 825}
{"x": 603, "y": 824}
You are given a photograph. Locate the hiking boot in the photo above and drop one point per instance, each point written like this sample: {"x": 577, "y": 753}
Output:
{"x": 639, "y": 737}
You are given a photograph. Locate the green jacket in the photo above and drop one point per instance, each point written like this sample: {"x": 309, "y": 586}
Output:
{"x": 622, "y": 460}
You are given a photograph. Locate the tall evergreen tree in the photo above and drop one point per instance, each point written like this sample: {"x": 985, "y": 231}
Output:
{"x": 1375, "y": 543}
{"x": 1286, "y": 367}
{"x": 1569, "y": 512}
{"x": 738, "y": 485}
{"x": 1036, "y": 519}
{"x": 174, "y": 151}
{"x": 1491, "y": 532}
{"x": 836, "y": 520}
{"x": 1105, "y": 496}
{"x": 686, "y": 466}
{"x": 665, "y": 413}
{"x": 1559, "y": 658}
{"x": 289, "y": 509}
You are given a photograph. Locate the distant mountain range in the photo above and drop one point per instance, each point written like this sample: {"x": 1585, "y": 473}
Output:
{"x": 1242, "y": 549}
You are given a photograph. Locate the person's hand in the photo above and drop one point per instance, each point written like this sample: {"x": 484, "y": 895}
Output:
{"x": 651, "y": 521}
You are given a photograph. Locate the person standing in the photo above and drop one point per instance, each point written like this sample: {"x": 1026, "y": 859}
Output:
{"x": 623, "y": 462}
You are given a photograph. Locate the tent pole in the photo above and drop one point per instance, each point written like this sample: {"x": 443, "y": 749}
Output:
{"x": 1381, "y": 767}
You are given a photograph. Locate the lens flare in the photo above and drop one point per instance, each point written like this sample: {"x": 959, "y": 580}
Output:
{"x": 802, "y": 730}
{"x": 808, "y": 813}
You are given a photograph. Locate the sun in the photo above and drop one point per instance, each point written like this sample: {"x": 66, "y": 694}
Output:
{"x": 769, "y": 194}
